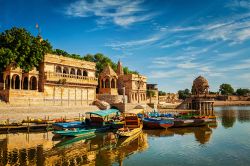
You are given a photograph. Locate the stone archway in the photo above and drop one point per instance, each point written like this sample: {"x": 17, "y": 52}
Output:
{"x": 113, "y": 83}
{"x": 85, "y": 73}
{"x": 33, "y": 83}
{"x": 65, "y": 70}
{"x": 58, "y": 69}
{"x": 72, "y": 71}
{"x": 107, "y": 83}
{"x": 15, "y": 82}
{"x": 79, "y": 72}
{"x": 25, "y": 83}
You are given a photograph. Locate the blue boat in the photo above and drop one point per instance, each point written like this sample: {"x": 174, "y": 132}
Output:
{"x": 154, "y": 123}
{"x": 75, "y": 132}
{"x": 68, "y": 125}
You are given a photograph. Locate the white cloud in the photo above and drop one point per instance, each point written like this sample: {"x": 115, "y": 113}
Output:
{"x": 187, "y": 65}
{"x": 133, "y": 43}
{"x": 122, "y": 13}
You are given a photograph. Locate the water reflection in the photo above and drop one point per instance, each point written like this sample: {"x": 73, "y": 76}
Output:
{"x": 106, "y": 149}
{"x": 229, "y": 115}
{"x": 228, "y": 118}
{"x": 103, "y": 148}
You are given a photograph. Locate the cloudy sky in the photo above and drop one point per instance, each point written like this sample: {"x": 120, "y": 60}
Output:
{"x": 170, "y": 41}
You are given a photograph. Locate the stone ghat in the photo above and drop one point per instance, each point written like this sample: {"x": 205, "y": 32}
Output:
{"x": 17, "y": 114}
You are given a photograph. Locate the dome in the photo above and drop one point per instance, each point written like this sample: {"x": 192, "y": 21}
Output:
{"x": 200, "y": 81}
{"x": 200, "y": 85}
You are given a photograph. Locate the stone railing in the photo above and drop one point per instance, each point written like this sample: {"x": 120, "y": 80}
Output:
{"x": 69, "y": 78}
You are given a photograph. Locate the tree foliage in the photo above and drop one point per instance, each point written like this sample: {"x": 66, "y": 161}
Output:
{"x": 150, "y": 93}
{"x": 21, "y": 49}
{"x": 226, "y": 89}
{"x": 242, "y": 92}
{"x": 161, "y": 93}
{"x": 183, "y": 94}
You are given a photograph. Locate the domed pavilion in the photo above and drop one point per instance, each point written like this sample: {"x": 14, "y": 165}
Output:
{"x": 200, "y": 99}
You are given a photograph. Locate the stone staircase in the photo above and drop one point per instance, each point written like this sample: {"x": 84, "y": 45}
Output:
{"x": 183, "y": 104}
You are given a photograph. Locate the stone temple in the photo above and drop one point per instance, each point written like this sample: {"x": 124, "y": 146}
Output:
{"x": 200, "y": 99}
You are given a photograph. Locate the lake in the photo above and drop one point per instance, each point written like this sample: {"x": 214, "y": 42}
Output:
{"x": 226, "y": 142}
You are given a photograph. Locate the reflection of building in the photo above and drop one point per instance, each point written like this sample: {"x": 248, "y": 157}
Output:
{"x": 200, "y": 99}
{"x": 58, "y": 81}
{"x": 202, "y": 134}
{"x": 228, "y": 118}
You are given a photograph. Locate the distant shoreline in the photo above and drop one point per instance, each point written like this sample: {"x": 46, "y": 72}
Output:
{"x": 231, "y": 103}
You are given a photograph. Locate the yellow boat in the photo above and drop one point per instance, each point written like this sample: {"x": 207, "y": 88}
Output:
{"x": 132, "y": 126}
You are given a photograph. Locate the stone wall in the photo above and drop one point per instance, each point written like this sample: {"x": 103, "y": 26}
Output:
{"x": 61, "y": 95}
{"x": 111, "y": 99}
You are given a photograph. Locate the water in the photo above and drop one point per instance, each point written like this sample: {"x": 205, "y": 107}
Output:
{"x": 224, "y": 143}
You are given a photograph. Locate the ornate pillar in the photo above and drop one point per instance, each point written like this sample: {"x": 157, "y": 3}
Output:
{"x": 104, "y": 85}
{"x": 110, "y": 82}
{"x": 28, "y": 82}
{"x": 14, "y": 83}
{"x": 20, "y": 83}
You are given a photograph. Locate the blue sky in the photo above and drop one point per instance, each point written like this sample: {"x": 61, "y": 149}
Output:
{"x": 171, "y": 42}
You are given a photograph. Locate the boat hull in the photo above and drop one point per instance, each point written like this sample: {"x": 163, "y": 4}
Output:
{"x": 75, "y": 133}
{"x": 153, "y": 123}
{"x": 123, "y": 132}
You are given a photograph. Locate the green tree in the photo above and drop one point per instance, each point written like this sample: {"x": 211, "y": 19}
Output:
{"x": 21, "y": 49}
{"x": 242, "y": 92}
{"x": 150, "y": 94}
{"x": 183, "y": 94}
{"x": 161, "y": 93}
{"x": 226, "y": 89}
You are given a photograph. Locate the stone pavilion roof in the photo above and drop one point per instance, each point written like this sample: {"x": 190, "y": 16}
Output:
{"x": 108, "y": 72}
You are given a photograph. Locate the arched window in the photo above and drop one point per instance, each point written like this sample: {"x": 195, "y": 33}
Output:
{"x": 113, "y": 83}
{"x": 72, "y": 71}
{"x": 33, "y": 83}
{"x": 65, "y": 70}
{"x": 15, "y": 82}
{"x": 58, "y": 69}
{"x": 79, "y": 72}
{"x": 107, "y": 83}
{"x": 25, "y": 83}
{"x": 85, "y": 73}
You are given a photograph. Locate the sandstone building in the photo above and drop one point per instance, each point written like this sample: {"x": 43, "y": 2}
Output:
{"x": 58, "y": 81}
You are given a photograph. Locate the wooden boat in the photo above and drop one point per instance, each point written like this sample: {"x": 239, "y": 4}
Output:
{"x": 68, "y": 125}
{"x": 75, "y": 132}
{"x": 103, "y": 119}
{"x": 132, "y": 126}
{"x": 183, "y": 122}
{"x": 154, "y": 123}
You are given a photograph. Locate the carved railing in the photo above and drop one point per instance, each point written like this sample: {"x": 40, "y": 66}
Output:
{"x": 69, "y": 78}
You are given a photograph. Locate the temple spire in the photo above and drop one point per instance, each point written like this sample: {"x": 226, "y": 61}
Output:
{"x": 119, "y": 68}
